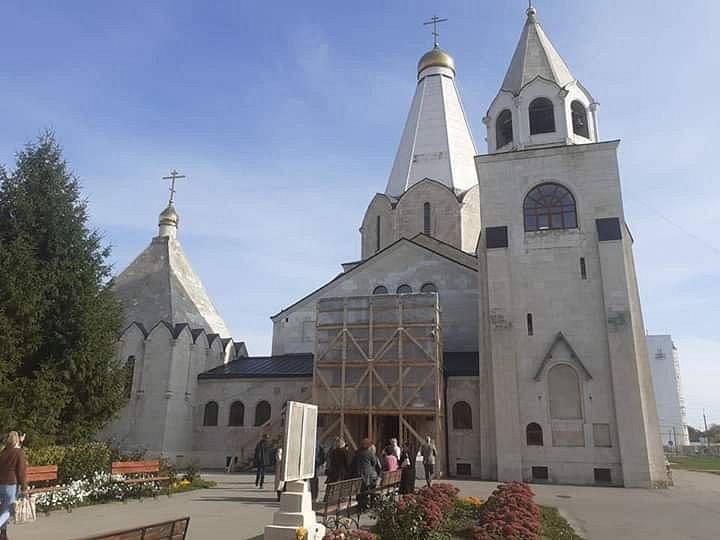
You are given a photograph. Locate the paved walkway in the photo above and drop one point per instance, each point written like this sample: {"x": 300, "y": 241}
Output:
{"x": 236, "y": 510}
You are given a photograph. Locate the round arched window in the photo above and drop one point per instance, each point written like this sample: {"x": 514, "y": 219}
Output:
{"x": 428, "y": 287}
{"x": 237, "y": 414}
{"x": 404, "y": 289}
{"x": 380, "y": 289}
{"x": 504, "y": 128}
{"x": 549, "y": 206}
{"x": 462, "y": 415}
{"x": 579, "y": 119}
{"x": 210, "y": 415}
{"x": 262, "y": 413}
{"x": 542, "y": 116}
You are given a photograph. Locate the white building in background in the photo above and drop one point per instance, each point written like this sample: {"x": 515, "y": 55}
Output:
{"x": 665, "y": 368}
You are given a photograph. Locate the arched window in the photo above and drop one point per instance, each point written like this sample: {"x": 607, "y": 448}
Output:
{"x": 564, "y": 387}
{"x": 210, "y": 417}
{"x": 404, "y": 289}
{"x": 549, "y": 206}
{"x": 426, "y": 218}
{"x": 504, "y": 128}
{"x": 579, "y": 119}
{"x": 380, "y": 289}
{"x": 262, "y": 413}
{"x": 533, "y": 434}
{"x": 129, "y": 374}
{"x": 428, "y": 287}
{"x": 542, "y": 116}
{"x": 462, "y": 415}
{"x": 237, "y": 414}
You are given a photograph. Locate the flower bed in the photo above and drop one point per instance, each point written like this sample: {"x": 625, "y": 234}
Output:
{"x": 509, "y": 513}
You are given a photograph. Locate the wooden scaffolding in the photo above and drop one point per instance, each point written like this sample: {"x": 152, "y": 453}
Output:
{"x": 378, "y": 369}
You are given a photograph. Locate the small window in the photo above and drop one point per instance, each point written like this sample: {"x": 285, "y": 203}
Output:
{"x": 534, "y": 434}
{"x": 129, "y": 374}
{"x": 463, "y": 469}
{"x": 549, "y": 206}
{"x": 462, "y": 415}
{"x": 404, "y": 289}
{"x": 262, "y": 413}
{"x": 237, "y": 414}
{"x": 504, "y": 128}
{"x": 428, "y": 287}
{"x": 540, "y": 473}
{"x": 426, "y": 218}
{"x": 579, "y": 119}
{"x": 210, "y": 416}
{"x": 583, "y": 268}
{"x": 602, "y": 476}
{"x": 530, "y": 329}
{"x": 377, "y": 234}
{"x": 542, "y": 116}
{"x": 380, "y": 289}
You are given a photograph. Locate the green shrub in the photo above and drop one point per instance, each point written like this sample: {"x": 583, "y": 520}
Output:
{"x": 83, "y": 461}
{"x": 192, "y": 472}
{"x": 167, "y": 468}
{"x": 48, "y": 455}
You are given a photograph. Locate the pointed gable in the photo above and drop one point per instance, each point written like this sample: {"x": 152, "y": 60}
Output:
{"x": 436, "y": 141}
{"x": 535, "y": 56}
{"x": 160, "y": 285}
{"x": 574, "y": 358}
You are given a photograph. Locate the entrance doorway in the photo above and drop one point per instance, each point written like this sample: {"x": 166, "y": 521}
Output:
{"x": 386, "y": 428}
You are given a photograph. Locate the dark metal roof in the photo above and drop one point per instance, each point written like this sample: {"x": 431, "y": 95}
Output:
{"x": 288, "y": 365}
{"x": 457, "y": 364}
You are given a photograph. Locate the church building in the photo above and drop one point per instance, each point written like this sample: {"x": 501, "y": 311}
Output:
{"x": 517, "y": 265}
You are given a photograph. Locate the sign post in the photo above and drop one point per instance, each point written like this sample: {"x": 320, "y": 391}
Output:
{"x": 298, "y": 465}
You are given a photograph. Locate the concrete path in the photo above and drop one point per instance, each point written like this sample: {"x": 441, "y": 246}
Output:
{"x": 236, "y": 510}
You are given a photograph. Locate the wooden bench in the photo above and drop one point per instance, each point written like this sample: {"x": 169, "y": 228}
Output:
{"x": 140, "y": 472}
{"x": 389, "y": 485}
{"x": 167, "y": 530}
{"x": 341, "y": 503}
{"x": 43, "y": 474}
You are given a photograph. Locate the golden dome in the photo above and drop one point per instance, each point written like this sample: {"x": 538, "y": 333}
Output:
{"x": 436, "y": 58}
{"x": 169, "y": 216}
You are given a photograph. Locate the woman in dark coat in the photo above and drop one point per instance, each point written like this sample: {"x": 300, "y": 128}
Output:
{"x": 338, "y": 462}
{"x": 366, "y": 466}
{"x": 407, "y": 466}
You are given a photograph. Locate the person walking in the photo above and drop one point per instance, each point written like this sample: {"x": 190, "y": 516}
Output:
{"x": 319, "y": 462}
{"x": 395, "y": 448}
{"x": 279, "y": 484}
{"x": 13, "y": 478}
{"x": 338, "y": 462}
{"x": 429, "y": 455}
{"x": 407, "y": 466}
{"x": 263, "y": 459}
{"x": 366, "y": 466}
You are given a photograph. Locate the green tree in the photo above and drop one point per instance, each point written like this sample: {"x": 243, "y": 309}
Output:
{"x": 59, "y": 321}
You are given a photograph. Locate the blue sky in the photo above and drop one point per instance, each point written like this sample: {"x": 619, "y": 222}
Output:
{"x": 286, "y": 117}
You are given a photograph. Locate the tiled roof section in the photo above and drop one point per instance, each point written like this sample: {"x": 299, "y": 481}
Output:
{"x": 254, "y": 367}
{"x": 461, "y": 364}
{"x": 457, "y": 364}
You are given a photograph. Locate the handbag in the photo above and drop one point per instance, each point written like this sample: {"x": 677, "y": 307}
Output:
{"x": 25, "y": 510}
{"x": 405, "y": 463}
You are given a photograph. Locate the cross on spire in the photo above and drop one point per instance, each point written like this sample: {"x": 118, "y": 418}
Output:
{"x": 174, "y": 175}
{"x": 435, "y": 21}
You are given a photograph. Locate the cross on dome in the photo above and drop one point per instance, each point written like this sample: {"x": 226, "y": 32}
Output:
{"x": 174, "y": 175}
{"x": 435, "y": 21}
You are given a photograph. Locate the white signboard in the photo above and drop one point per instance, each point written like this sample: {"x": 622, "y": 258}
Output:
{"x": 300, "y": 441}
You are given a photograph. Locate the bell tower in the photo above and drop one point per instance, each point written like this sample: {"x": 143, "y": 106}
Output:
{"x": 540, "y": 102}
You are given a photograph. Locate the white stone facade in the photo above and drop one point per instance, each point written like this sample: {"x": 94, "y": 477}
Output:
{"x": 664, "y": 363}
{"x": 530, "y": 256}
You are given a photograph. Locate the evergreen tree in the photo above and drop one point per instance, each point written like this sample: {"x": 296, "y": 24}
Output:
{"x": 59, "y": 321}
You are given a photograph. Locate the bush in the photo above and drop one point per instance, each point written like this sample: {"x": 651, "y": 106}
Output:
{"x": 84, "y": 461}
{"x": 339, "y": 534}
{"x": 509, "y": 514}
{"x": 48, "y": 455}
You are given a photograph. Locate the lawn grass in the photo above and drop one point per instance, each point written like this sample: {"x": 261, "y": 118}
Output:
{"x": 554, "y": 526}
{"x": 695, "y": 463}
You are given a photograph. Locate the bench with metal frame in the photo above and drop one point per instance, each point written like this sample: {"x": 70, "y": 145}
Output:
{"x": 166, "y": 530}
{"x": 140, "y": 472}
{"x": 388, "y": 487}
{"x": 341, "y": 504}
{"x": 47, "y": 476}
